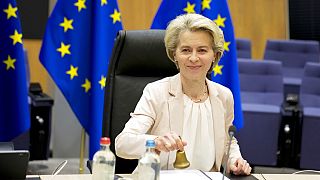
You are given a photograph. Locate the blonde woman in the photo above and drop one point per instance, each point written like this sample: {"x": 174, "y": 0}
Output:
{"x": 187, "y": 105}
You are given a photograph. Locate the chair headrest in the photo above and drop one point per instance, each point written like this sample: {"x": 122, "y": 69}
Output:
{"x": 312, "y": 70}
{"x": 259, "y": 67}
{"x": 296, "y": 46}
{"x": 143, "y": 54}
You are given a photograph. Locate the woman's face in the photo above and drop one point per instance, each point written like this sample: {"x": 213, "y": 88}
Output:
{"x": 194, "y": 54}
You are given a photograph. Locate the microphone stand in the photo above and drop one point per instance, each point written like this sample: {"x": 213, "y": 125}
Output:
{"x": 231, "y": 132}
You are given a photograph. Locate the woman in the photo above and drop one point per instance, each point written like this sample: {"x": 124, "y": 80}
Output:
{"x": 187, "y": 104}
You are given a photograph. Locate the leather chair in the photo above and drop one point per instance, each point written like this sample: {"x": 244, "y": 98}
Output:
{"x": 310, "y": 101}
{"x": 293, "y": 54}
{"x": 261, "y": 91}
{"x": 138, "y": 58}
{"x": 243, "y": 48}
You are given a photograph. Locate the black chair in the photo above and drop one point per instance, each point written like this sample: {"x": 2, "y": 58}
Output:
{"x": 138, "y": 58}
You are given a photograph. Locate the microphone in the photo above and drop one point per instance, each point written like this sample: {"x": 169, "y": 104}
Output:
{"x": 232, "y": 130}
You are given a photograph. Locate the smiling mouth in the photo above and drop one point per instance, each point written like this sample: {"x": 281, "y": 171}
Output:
{"x": 194, "y": 67}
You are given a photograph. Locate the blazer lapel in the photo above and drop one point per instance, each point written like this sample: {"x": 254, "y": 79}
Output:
{"x": 218, "y": 123}
{"x": 175, "y": 107}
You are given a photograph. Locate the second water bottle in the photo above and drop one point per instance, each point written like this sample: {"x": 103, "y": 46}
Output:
{"x": 149, "y": 163}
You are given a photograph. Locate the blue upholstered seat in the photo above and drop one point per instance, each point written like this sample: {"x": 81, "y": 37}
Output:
{"x": 243, "y": 48}
{"x": 310, "y": 101}
{"x": 293, "y": 54}
{"x": 261, "y": 84}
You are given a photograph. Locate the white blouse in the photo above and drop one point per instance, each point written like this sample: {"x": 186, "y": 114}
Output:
{"x": 198, "y": 133}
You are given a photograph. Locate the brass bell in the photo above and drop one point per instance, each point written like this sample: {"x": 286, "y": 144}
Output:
{"x": 181, "y": 161}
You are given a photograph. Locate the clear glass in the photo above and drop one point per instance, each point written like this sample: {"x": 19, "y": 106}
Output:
{"x": 103, "y": 166}
{"x": 149, "y": 165}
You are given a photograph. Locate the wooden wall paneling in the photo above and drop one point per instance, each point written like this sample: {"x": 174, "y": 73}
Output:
{"x": 138, "y": 14}
{"x": 258, "y": 21}
{"x": 37, "y": 72}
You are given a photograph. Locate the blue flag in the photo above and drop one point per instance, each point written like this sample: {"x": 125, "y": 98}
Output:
{"x": 14, "y": 108}
{"x": 226, "y": 72}
{"x": 76, "y": 49}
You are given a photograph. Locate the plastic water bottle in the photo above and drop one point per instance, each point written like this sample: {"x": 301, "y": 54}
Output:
{"x": 149, "y": 163}
{"x": 104, "y": 162}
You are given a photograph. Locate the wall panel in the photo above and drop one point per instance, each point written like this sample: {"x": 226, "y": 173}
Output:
{"x": 259, "y": 20}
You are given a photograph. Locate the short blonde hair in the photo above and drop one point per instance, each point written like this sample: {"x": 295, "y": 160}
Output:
{"x": 193, "y": 22}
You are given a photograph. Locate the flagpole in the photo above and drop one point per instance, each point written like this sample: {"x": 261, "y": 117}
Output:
{"x": 82, "y": 149}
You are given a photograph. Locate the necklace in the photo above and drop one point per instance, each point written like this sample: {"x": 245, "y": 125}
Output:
{"x": 201, "y": 97}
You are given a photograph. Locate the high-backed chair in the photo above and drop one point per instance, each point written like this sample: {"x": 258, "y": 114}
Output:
{"x": 310, "y": 101}
{"x": 243, "y": 48}
{"x": 261, "y": 89}
{"x": 293, "y": 54}
{"x": 138, "y": 58}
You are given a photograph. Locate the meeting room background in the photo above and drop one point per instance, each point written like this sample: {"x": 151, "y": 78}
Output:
{"x": 257, "y": 21}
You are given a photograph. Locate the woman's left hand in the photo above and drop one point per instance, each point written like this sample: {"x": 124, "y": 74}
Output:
{"x": 240, "y": 167}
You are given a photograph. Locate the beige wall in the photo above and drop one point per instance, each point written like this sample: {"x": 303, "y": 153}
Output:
{"x": 257, "y": 20}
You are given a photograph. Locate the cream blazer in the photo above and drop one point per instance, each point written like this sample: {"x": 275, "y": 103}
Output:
{"x": 160, "y": 110}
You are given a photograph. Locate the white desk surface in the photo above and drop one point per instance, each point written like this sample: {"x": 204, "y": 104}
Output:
{"x": 129, "y": 177}
{"x": 289, "y": 176}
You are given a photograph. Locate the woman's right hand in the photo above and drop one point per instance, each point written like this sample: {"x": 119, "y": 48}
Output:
{"x": 169, "y": 142}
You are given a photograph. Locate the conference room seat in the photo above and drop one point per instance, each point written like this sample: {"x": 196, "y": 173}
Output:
{"x": 261, "y": 89}
{"x": 310, "y": 101}
{"x": 293, "y": 54}
{"x": 243, "y": 46}
{"x": 138, "y": 58}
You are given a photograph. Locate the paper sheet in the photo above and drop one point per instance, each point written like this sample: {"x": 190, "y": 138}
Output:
{"x": 189, "y": 175}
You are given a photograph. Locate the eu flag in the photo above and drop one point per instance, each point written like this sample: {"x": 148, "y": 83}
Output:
{"x": 226, "y": 72}
{"x": 76, "y": 49}
{"x": 14, "y": 109}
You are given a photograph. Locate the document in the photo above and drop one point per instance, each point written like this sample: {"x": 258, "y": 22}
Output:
{"x": 190, "y": 175}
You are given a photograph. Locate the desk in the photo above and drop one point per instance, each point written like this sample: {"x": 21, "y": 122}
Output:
{"x": 258, "y": 176}
{"x": 289, "y": 176}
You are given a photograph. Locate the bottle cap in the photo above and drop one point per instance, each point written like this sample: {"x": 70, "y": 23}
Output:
{"x": 150, "y": 143}
{"x": 105, "y": 140}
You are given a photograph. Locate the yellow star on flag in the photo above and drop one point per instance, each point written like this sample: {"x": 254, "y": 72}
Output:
{"x": 226, "y": 46}
{"x": 86, "y": 85}
{"x": 64, "y": 49}
{"x": 9, "y": 62}
{"x": 81, "y": 4}
{"x": 205, "y": 4}
{"x": 102, "y": 82}
{"x": 217, "y": 69}
{"x": 220, "y": 21}
{"x": 66, "y": 24}
{"x": 16, "y": 37}
{"x": 11, "y": 11}
{"x": 104, "y": 2}
{"x": 72, "y": 72}
{"x": 190, "y": 8}
{"x": 115, "y": 16}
